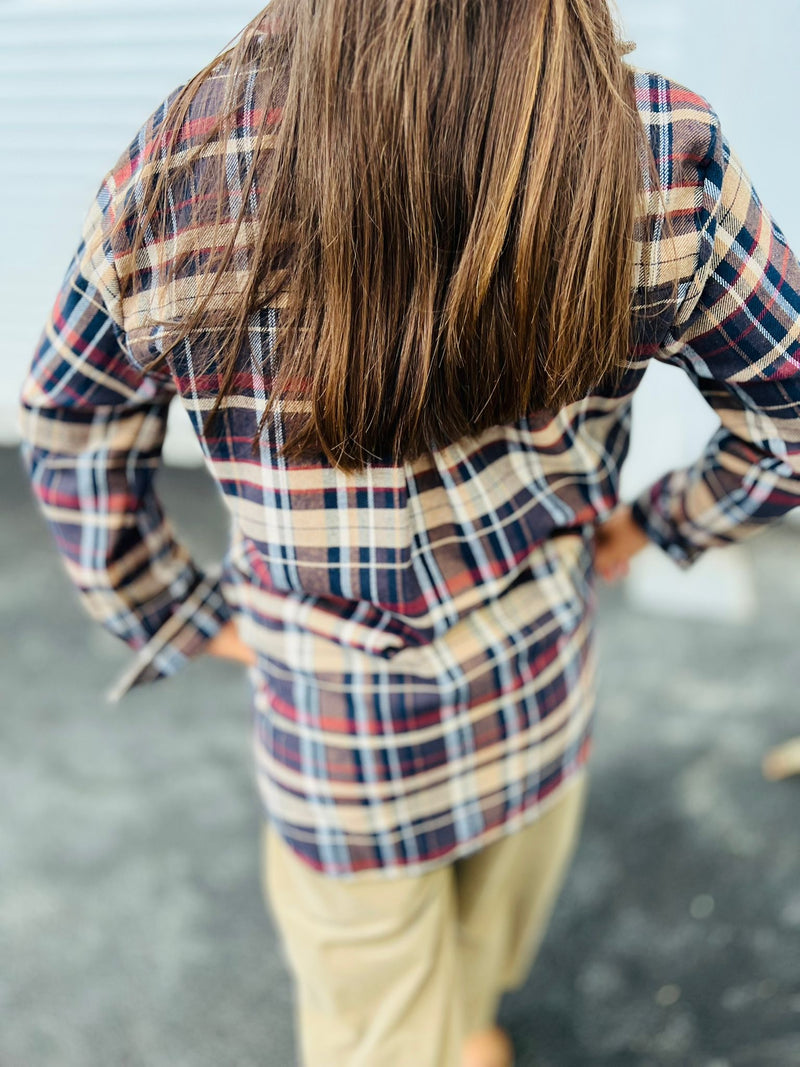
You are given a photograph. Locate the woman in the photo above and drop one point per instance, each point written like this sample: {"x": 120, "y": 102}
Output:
{"x": 404, "y": 263}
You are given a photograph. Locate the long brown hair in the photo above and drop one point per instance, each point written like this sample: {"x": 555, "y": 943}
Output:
{"x": 439, "y": 202}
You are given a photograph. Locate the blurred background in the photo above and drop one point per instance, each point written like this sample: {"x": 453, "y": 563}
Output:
{"x": 131, "y": 924}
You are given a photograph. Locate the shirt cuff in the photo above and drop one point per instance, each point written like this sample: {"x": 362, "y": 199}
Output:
{"x": 654, "y": 511}
{"x": 193, "y": 623}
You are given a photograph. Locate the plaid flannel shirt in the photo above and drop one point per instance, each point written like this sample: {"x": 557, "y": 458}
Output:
{"x": 426, "y": 675}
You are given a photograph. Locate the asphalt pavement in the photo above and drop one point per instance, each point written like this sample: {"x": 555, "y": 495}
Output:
{"x": 132, "y": 928}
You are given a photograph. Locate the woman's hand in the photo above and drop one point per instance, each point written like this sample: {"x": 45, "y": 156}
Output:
{"x": 227, "y": 644}
{"x": 618, "y": 539}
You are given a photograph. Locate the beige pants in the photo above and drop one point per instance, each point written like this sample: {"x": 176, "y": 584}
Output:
{"x": 394, "y": 973}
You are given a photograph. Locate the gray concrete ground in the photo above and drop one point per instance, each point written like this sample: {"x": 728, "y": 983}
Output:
{"x": 132, "y": 930}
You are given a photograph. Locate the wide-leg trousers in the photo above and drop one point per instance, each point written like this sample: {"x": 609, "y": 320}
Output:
{"x": 395, "y": 972}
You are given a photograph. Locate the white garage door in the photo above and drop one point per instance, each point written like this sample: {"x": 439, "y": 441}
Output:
{"x": 77, "y": 79}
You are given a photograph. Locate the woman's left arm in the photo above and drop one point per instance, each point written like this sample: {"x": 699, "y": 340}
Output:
{"x": 738, "y": 339}
{"x": 92, "y": 427}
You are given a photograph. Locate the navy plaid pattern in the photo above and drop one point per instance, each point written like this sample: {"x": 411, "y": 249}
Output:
{"x": 426, "y": 671}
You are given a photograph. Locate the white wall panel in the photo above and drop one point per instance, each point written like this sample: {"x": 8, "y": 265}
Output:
{"x": 77, "y": 79}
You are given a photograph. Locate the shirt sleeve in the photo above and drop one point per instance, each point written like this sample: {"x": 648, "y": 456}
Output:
{"x": 92, "y": 427}
{"x": 736, "y": 336}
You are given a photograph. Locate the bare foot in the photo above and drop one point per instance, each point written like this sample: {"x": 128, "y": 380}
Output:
{"x": 488, "y": 1048}
{"x": 783, "y": 761}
